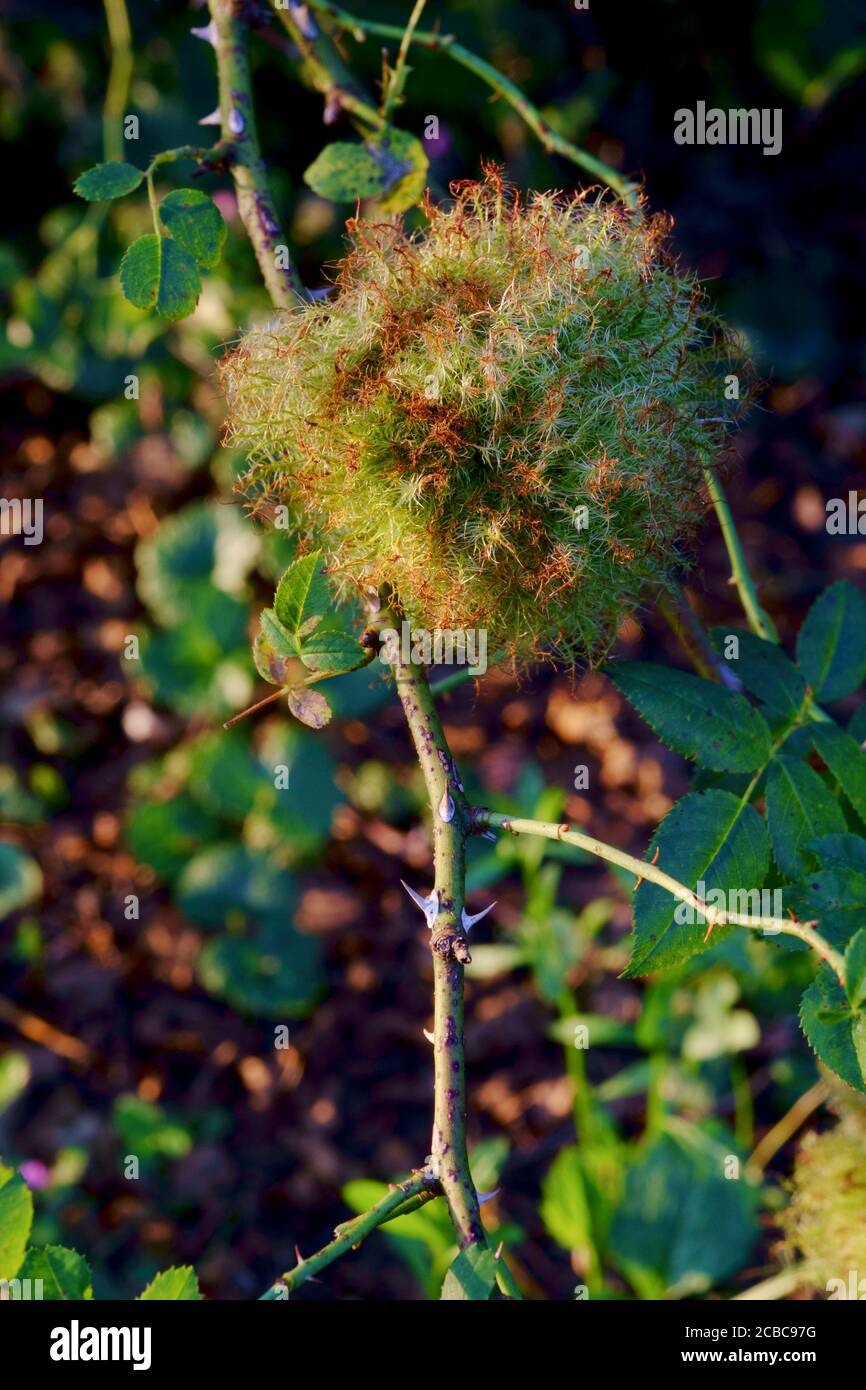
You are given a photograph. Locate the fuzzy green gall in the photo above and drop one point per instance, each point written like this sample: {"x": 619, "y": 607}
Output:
{"x": 500, "y": 423}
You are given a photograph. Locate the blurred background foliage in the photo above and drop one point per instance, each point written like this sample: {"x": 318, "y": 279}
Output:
{"x": 167, "y": 906}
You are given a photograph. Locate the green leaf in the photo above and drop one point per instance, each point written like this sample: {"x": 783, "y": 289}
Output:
{"x": 104, "y": 181}
{"x": 834, "y": 898}
{"x": 565, "y": 1208}
{"x": 717, "y": 728}
{"x": 64, "y": 1273}
{"x": 707, "y": 837}
{"x": 391, "y": 167}
{"x": 16, "y": 1218}
{"x": 20, "y": 879}
{"x": 196, "y": 223}
{"x": 228, "y": 884}
{"x": 274, "y": 972}
{"x": 800, "y": 807}
{"x": 147, "y": 1131}
{"x": 855, "y": 969}
{"x": 302, "y": 593}
{"x": 156, "y": 273}
{"x": 344, "y": 173}
{"x": 846, "y": 760}
{"x": 764, "y": 669}
{"x": 405, "y": 164}
{"x": 840, "y": 852}
{"x": 831, "y": 644}
{"x": 472, "y": 1276}
{"x": 310, "y": 707}
{"x": 684, "y": 1226}
{"x": 178, "y": 1284}
{"x": 333, "y": 652}
{"x": 166, "y": 834}
{"x": 836, "y": 1034}
{"x": 274, "y": 649}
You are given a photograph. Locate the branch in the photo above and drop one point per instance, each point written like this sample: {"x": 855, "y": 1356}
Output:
{"x": 349, "y": 1235}
{"x": 326, "y": 69}
{"x": 760, "y": 623}
{"x": 450, "y": 826}
{"x": 239, "y": 135}
{"x": 715, "y": 916}
{"x": 552, "y": 141}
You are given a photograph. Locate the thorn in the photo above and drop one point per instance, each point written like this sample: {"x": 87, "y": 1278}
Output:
{"x": 488, "y": 1197}
{"x": 654, "y": 860}
{"x": 497, "y": 1254}
{"x": 208, "y": 34}
{"x": 429, "y": 906}
{"x": 469, "y": 919}
{"x": 446, "y": 807}
{"x": 488, "y": 835}
{"x": 429, "y": 1036}
{"x": 236, "y": 122}
{"x": 213, "y": 119}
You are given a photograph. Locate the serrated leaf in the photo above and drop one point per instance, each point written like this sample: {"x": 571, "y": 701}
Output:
{"x": 310, "y": 707}
{"x": 708, "y": 837}
{"x": 302, "y": 593}
{"x": 64, "y": 1273}
{"x": 274, "y": 649}
{"x": 834, "y": 898}
{"x": 840, "y": 852}
{"x": 105, "y": 181}
{"x": 800, "y": 807}
{"x": 16, "y": 1218}
{"x": 836, "y": 1034}
{"x": 178, "y": 1284}
{"x": 764, "y": 669}
{"x": 846, "y": 760}
{"x": 855, "y": 969}
{"x": 196, "y": 224}
{"x": 717, "y": 728}
{"x": 831, "y": 644}
{"x": 156, "y": 273}
{"x": 333, "y": 652}
{"x": 472, "y": 1276}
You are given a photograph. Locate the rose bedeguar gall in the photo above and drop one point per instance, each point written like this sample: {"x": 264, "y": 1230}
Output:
{"x": 501, "y": 421}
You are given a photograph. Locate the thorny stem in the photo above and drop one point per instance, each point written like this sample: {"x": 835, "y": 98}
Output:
{"x": 349, "y": 1235}
{"x": 255, "y": 204}
{"x": 326, "y": 70}
{"x": 398, "y": 75}
{"x": 552, "y": 141}
{"x": 450, "y": 827}
{"x": 715, "y": 916}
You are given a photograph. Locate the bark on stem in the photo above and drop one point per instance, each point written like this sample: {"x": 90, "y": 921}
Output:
{"x": 239, "y": 135}
{"x": 450, "y": 827}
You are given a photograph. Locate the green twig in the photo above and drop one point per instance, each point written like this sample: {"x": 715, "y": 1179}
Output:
{"x": 350, "y": 1234}
{"x": 759, "y": 621}
{"x": 714, "y": 916}
{"x": 400, "y": 70}
{"x": 550, "y": 138}
{"x": 119, "y": 77}
{"x": 240, "y": 138}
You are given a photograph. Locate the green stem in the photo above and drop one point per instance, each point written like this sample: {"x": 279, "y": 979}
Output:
{"x": 552, "y": 141}
{"x": 327, "y": 72}
{"x": 255, "y": 204}
{"x": 398, "y": 76}
{"x": 119, "y": 77}
{"x": 450, "y": 826}
{"x": 714, "y": 916}
{"x": 759, "y": 621}
{"x": 351, "y": 1233}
